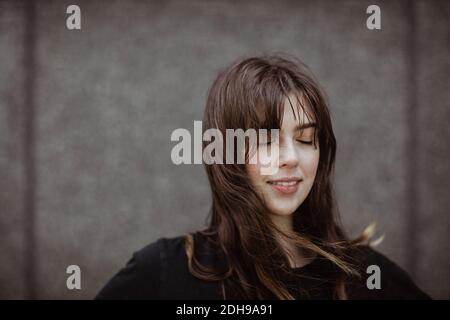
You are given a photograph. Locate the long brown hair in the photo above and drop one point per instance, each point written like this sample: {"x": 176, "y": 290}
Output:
{"x": 250, "y": 94}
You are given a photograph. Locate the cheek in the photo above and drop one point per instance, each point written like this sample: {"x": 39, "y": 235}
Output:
{"x": 312, "y": 164}
{"x": 257, "y": 160}
{"x": 264, "y": 162}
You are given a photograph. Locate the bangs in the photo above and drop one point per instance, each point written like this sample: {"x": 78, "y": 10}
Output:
{"x": 270, "y": 97}
{"x": 266, "y": 110}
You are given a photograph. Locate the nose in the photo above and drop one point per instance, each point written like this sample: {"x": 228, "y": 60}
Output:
{"x": 288, "y": 156}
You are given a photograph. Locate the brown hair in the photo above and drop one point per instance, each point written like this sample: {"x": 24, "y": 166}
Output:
{"x": 250, "y": 94}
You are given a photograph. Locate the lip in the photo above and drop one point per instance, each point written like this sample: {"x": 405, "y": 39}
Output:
{"x": 285, "y": 188}
{"x": 286, "y": 179}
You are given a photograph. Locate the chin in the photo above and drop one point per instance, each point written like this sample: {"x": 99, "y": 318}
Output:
{"x": 282, "y": 212}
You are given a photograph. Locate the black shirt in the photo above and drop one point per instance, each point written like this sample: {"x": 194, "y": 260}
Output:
{"x": 159, "y": 271}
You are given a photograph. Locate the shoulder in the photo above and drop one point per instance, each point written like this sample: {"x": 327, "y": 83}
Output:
{"x": 380, "y": 277}
{"x": 161, "y": 250}
{"x": 143, "y": 275}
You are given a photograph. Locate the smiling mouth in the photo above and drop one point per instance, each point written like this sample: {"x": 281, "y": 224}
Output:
{"x": 288, "y": 185}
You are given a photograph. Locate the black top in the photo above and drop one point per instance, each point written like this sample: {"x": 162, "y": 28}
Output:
{"x": 159, "y": 271}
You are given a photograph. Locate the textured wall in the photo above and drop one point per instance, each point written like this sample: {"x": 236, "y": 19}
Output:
{"x": 95, "y": 147}
{"x": 12, "y": 114}
{"x": 433, "y": 148}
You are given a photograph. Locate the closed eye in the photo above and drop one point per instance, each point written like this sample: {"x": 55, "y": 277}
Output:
{"x": 305, "y": 142}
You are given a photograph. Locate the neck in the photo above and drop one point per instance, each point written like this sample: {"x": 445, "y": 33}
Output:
{"x": 285, "y": 223}
{"x": 298, "y": 257}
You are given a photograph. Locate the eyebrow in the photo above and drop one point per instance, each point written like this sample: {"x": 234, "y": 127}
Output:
{"x": 305, "y": 125}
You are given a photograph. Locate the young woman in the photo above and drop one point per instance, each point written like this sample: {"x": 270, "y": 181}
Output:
{"x": 269, "y": 236}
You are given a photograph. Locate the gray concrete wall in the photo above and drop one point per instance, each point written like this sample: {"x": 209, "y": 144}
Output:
{"x": 86, "y": 118}
{"x": 13, "y": 231}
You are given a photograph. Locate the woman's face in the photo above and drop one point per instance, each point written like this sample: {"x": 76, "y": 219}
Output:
{"x": 297, "y": 164}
